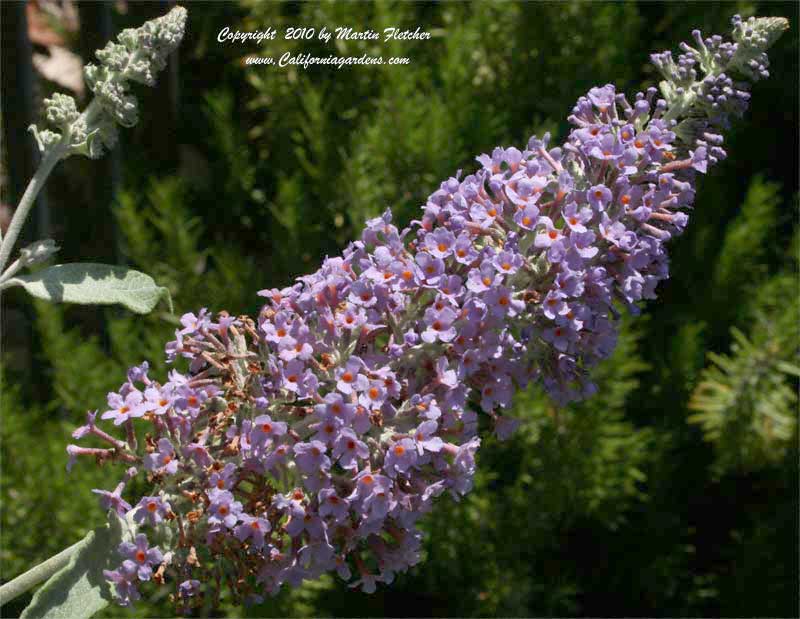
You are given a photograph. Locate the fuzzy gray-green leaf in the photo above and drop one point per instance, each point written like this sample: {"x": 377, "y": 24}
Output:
{"x": 94, "y": 284}
{"x": 79, "y": 589}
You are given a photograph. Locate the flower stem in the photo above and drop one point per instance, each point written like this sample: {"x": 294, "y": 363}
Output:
{"x": 46, "y": 166}
{"x": 35, "y": 575}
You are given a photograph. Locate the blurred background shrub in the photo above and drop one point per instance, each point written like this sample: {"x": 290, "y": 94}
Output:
{"x": 673, "y": 492}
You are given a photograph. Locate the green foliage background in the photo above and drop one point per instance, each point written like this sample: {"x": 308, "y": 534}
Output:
{"x": 673, "y": 492}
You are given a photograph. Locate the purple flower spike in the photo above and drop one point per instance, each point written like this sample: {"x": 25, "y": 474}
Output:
{"x": 340, "y": 412}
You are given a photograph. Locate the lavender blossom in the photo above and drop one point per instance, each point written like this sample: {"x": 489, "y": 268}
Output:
{"x": 315, "y": 436}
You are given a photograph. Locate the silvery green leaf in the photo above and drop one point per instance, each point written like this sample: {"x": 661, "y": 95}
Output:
{"x": 79, "y": 589}
{"x": 94, "y": 284}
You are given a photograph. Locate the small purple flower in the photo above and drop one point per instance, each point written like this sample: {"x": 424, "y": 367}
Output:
{"x": 550, "y": 236}
{"x": 431, "y": 268}
{"x": 128, "y": 407}
{"x": 554, "y": 305}
{"x": 400, "y": 457}
{"x": 602, "y": 97}
{"x": 527, "y": 218}
{"x": 440, "y": 242}
{"x": 160, "y": 400}
{"x": 310, "y": 457}
{"x": 463, "y": 250}
{"x": 507, "y": 262}
{"x": 335, "y": 407}
{"x": 348, "y": 448}
{"x": 123, "y": 579}
{"x": 484, "y": 278}
{"x": 113, "y": 500}
{"x": 349, "y": 378}
{"x": 163, "y": 460}
{"x": 85, "y": 430}
{"x": 331, "y": 504}
{"x": 265, "y": 429}
{"x": 252, "y": 528}
{"x": 439, "y": 324}
{"x": 138, "y": 373}
{"x": 193, "y": 324}
{"x": 142, "y": 555}
{"x": 223, "y": 508}
{"x": 425, "y": 439}
{"x": 151, "y": 509}
{"x": 362, "y": 294}
{"x": 189, "y": 588}
{"x": 501, "y": 302}
{"x": 598, "y": 197}
{"x": 607, "y": 148}
{"x": 225, "y": 478}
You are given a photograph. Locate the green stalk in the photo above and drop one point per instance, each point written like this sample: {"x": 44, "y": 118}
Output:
{"x": 22, "y": 211}
{"x": 35, "y": 575}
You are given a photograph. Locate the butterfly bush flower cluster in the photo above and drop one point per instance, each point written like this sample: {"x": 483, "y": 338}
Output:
{"x": 312, "y": 438}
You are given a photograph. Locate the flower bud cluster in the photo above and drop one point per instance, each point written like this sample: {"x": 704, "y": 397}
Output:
{"x": 313, "y": 438}
{"x": 716, "y": 95}
{"x": 140, "y": 54}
